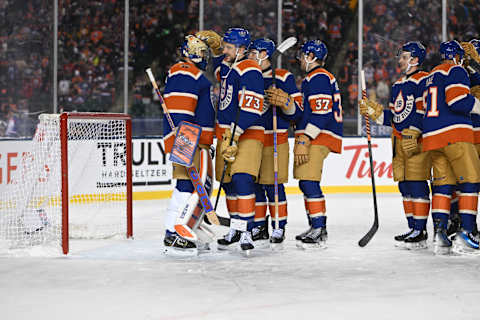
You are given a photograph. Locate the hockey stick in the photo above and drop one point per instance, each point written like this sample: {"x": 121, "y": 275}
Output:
{"x": 192, "y": 171}
{"x": 275, "y": 157}
{"x": 289, "y": 42}
{"x": 284, "y": 46}
{"x": 366, "y": 238}
{"x": 226, "y": 221}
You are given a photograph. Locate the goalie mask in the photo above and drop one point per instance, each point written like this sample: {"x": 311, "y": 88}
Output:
{"x": 195, "y": 50}
{"x": 262, "y": 44}
{"x": 450, "y": 49}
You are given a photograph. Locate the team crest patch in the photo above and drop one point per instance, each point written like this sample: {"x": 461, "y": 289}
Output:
{"x": 399, "y": 103}
{"x": 225, "y": 95}
{"x": 402, "y": 113}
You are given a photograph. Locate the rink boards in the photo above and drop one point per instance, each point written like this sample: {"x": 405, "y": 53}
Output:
{"x": 343, "y": 173}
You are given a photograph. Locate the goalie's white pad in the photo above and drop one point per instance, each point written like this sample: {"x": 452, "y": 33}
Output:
{"x": 191, "y": 214}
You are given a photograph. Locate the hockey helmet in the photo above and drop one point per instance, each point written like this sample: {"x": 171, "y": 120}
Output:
{"x": 263, "y": 44}
{"x": 476, "y": 44}
{"x": 416, "y": 49}
{"x": 449, "y": 49}
{"x": 317, "y": 47}
{"x": 237, "y": 36}
{"x": 196, "y": 50}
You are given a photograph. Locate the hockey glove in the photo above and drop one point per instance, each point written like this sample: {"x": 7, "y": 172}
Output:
{"x": 229, "y": 151}
{"x": 470, "y": 51}
{"x": 301, "y": 149}
{"x": 213, "y": 40}
{"x": 280, "y": 98}
{"x": 371, "y": 108}
{"x": 409, "y": 141}
{"x": 475, "y": 91}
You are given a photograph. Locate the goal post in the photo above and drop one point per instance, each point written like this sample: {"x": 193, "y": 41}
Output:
{"x": 76, "y": 182}
{"x": 64, "y": 137}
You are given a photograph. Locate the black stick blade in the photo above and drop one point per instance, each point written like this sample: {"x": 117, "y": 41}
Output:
{"x": 366, "y": 238}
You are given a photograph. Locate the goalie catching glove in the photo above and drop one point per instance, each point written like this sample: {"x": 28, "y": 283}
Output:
{"x": 410, "y": 140}
{"x": 213, "y": 40}
{"x": 370, "y": 108}
{"x": 301, "y": 149}
{"x": 280, "y": 98}
{"x": 229, "y": 151}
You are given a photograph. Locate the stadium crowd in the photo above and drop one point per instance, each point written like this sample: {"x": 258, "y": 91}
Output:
{"x": 90, "y": 61}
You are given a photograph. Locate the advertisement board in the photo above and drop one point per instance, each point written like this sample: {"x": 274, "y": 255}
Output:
{"x": 345, "y": 172}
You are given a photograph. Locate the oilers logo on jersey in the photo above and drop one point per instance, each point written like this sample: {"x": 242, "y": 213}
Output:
{"x": 225, "y": 95}
{"x": 402, "y": 108}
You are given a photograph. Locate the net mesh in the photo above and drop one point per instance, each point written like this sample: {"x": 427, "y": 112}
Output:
{"x": 31, "y": 210}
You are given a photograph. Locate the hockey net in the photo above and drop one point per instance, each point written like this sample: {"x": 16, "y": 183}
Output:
{"x": 74, "y": 183}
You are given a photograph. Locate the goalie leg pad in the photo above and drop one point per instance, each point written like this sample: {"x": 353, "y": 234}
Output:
{"x": 191, "y": 213}
{"x": 181, "y": 194}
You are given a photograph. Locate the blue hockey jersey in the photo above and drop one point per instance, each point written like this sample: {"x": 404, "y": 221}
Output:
{"x": 241, "y": 86}
{"x": 285, "y": 80}
{"x": 448, "y": 104}
{"x": 475, "y": 81}
{"x": 187, "y": 96}
{"x": 322, "y": 118}
{"x": 406, "y": 109}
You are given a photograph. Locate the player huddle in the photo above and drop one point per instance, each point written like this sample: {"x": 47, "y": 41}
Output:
{"x": 433, "y": 116}
{"x": 256, "y": 107}
{"x": 435, "y": 120}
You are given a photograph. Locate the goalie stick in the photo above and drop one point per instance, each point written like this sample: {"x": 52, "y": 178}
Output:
{"x": 284, "y": 46}
{"x": 366, "y": 238}
{"x": 204, "y": 199}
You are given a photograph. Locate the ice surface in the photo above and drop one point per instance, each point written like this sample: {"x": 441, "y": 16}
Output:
{"x": 132, "y": 279}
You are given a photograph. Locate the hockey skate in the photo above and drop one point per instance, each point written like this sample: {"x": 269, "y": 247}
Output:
{"x": 316, "y": 238}
{"x": 453, "y": 225}
{"x": 260, "y": 236}
{"x": 441, "y": 242}
{"x": 400, "y": 239}
{"x": 302, "y": 235}
{"x": 230, "y": 238}
{"x": 177, "y": 246}
{"x": 246, "y": 242}
{"x": 276, "y": 240}
{"x": 416, "y": 240}
{"x": 465, "y": 243}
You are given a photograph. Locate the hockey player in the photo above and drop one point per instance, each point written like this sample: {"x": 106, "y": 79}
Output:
{"x": 411, "y": 167}
{"x": 448, "y": 133}
{"x": 261, "y": 51}
{"x": 318, "y": 132}
{"x": 187, "y": 97}
{"x": 240, "y": 107}
{"x": 472, "y": 52}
